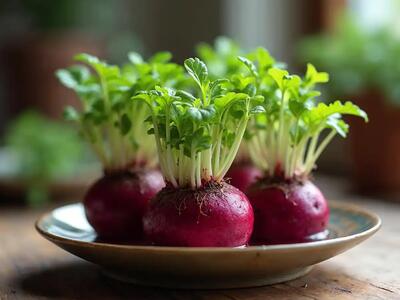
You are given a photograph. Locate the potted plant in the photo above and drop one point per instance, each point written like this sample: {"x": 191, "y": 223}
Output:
{"x": 116, "y": 130}
{"x": 198, "y": 136}
{"x": 222, "y": 61}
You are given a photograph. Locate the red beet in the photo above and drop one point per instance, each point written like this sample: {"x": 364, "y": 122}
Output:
{"x": 243, "y": 175}
{"x": 216, "y": 215}
{"x": 115, "y": 204}
{"x": 287, "y": 212}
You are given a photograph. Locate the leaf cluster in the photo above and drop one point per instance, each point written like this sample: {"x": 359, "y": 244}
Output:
{"x": 196, "y": 122}
{"x": 108, "y": 119}
{"x": 293, "y": 100}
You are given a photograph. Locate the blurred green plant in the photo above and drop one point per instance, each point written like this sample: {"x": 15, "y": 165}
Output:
{"x": 45, "y": 151}
{"x": 112, "y": 124}
{"x": 357, "y": 59}
{"x": 93, "y": 15}
{"x": 221, "y": 58}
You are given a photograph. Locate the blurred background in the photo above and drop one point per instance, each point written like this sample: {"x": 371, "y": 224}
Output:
{"x": 357, "y": 42}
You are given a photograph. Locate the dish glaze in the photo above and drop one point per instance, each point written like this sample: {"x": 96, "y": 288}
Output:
{"x": 206, "y": 268}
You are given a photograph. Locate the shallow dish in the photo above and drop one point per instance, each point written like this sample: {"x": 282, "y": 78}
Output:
{"x": 210, "y": 268}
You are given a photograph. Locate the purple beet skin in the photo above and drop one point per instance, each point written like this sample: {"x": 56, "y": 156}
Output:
{"x": 115, "y": 204}
{"x": 243, "y": 175}
{"x": 217, "y": 215}
{"x": 287, "y": 212}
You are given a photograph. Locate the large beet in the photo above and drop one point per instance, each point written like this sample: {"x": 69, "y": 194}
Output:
{"x": 287, "y": 212}
{"x": 216, "y": 215}
{"x": 115, "y": 204}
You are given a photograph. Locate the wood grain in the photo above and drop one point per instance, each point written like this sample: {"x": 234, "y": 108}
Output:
{"x": 32, "y": 268}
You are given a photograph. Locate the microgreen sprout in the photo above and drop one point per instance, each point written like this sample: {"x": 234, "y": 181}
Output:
{"x": 198, "y": 135}
{"x": 220, "y": 58}
{"x": 290, "y": 136}
{"x": 112, "y": 124}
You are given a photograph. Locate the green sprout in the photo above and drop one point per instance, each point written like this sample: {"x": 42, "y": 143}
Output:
{"x": 198, "y": 136}
{"x": 289, "y": 137}
{"x": 113, "y": 125}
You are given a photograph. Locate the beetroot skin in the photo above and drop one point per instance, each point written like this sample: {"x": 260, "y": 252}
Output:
{"x": 243, "y": 175}
{"x": 287, "y": 212}
{"x": 216, "y": 215}
{"x": 115, "y": 204}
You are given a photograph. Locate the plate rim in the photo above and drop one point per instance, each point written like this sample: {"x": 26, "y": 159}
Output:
{"x": 295, "y": 246}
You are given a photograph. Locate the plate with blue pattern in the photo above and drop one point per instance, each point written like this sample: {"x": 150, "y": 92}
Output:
{"x": 208, "y": 267}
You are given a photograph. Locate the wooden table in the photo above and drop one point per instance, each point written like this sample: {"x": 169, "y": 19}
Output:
{"x": 33, "y": 268}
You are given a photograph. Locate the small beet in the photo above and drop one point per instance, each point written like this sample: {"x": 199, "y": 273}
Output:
{"x": 115, "y": 204}
{"x": 287, "y": 212}
{"x": 215, "y": 215}
{"x": 243, "y": 175}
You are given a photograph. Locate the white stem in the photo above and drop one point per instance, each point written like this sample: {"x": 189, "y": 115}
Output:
{"x": 192, "y": 169}
{"x": 232, "y": 153}
{"x": 198, "y": 169}
{"x": 170, "y": 159}
{"x": 97, "y": 148}
{"x": 319, "y": 150}
{"x": 311, "y": 149}
{"x": 161, "y": 156}
{"x": 281, "y": 125}
{"x": 181, "y": 164}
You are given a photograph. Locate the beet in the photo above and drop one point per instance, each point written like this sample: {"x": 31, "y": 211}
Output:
{"x": 243, "y": 175}
{"x": 215, "y": 215}
{"x": 115, "y": 204}
{"x": 287, "y": 212}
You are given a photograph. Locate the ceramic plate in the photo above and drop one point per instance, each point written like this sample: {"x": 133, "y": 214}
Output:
{"x": 211, "y": 268}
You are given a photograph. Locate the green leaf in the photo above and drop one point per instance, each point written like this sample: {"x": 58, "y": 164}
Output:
{"x": 278, "y": 76}
{"x": 161, "y": 57}
{"x": 228, "y": 139}
{"x": 292, "y": 82}
{"x": 104, "y": 70}
{"x": 71, "y": 114}
{"x": 135, "y": 58}
{"x": 88, "y": 59}
{"x": 226, "y": 46}
{"x": 143, "y": 96}
{"x": 217, "y": 87}
{"x": 125, "y": 124}
{"x": 201, "y": 141}
{"x": 73, "y": 76}
{"x": 185, "y": 95}
{"x": 257, "y": 99}
{"x": 194, "y": 114}
{"x": 250, "y": 90}
{"x": 228, "y": 99}
{"x": 323, "y": 111}
{"x": 313, "y": 76}
{"x": 252, "y": 68}
{"x": 67, "y": 78}
{"x": 340, "y": 126}
{"x": 197, "y": 70}
{"x": 264, "y": 58}
{"x": 297, "y": 108}
{"x": 297, "y": 133}
{"x": 257, "y": 109}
